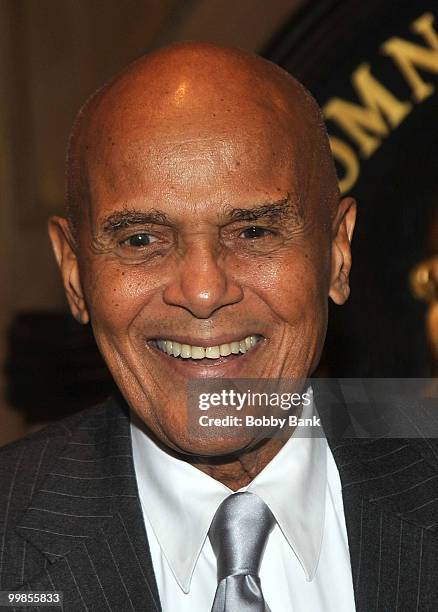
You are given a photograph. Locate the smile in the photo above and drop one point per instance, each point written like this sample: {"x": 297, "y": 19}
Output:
{"x": 189, "y": 351}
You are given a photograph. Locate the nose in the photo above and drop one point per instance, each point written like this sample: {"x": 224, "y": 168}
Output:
{"x": 201, "y": 283}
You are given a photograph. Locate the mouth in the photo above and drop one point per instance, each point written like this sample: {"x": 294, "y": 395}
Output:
{"x": 196, "y": 355}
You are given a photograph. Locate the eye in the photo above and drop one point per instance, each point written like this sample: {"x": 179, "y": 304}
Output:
{"x": 254, "y": 232}
{"x": 138, "y": 240}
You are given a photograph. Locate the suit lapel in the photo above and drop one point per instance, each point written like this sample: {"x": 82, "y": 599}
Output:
{"x": 87, "y": 522}
{"x": 390, "y": 495}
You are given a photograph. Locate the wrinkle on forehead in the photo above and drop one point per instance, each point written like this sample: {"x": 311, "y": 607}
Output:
{"x": 198, "y": 91}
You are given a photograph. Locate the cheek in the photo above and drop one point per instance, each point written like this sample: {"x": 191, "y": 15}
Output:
{"x": 295, "y": 288}
{"x": 115, "y": 295}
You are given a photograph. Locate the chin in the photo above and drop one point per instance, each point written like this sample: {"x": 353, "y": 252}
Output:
{"x": 211, "y": 445}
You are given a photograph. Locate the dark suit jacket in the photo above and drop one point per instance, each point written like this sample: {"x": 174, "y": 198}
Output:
{"x": 71, "y": 520}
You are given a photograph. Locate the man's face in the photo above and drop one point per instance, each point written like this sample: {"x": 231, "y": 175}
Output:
{"x": 204, "y": 236}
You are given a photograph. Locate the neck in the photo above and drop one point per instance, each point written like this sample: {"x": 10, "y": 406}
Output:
{"x": 237, "y": 471}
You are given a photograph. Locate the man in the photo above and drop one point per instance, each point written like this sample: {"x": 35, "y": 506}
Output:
{"x": 205, "y": 233}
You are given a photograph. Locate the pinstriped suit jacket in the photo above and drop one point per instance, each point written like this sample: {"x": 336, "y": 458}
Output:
{"x": 71, "y": 520}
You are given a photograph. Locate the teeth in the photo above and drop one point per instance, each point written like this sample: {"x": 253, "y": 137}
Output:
{"x": 212, "y": 352}
{"x": 235, "y": 347}
{"x": 225, "y": 350}
{"x": 187, "y": 351}
{"x": 198, "y": 352}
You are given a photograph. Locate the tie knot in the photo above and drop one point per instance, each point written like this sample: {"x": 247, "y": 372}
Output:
{"x": 238, "y": 534}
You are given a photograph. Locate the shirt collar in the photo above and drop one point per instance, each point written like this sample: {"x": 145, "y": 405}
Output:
{"x": 180, "y": 500}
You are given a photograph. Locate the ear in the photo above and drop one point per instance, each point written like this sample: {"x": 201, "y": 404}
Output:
{"x": 342, "y": 232}
{"x": 63, "y": 244}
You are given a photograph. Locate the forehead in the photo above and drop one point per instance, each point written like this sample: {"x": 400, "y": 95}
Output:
{"x": 200, "y": 157}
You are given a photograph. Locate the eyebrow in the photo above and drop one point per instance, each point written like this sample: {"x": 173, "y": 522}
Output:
{"x": 272, "y": 211}
{"x": 122, "y": 219}
{"x": 275, "y": 211}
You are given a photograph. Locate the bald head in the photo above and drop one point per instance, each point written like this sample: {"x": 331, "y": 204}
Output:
{"x": 204, "y": 91}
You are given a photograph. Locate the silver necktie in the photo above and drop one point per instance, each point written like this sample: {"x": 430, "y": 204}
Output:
{"x": 238, "y": 535}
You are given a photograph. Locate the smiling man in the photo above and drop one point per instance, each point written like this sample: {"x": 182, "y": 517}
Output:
{"x": 205, "y": 231}
{"x": 205, "y": 235}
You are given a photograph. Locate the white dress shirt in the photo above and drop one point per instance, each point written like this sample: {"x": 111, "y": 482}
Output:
{"x": 306, "y": 564}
